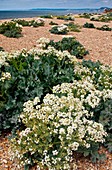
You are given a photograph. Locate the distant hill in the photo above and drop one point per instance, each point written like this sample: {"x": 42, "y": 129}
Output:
{"x": 103, "y": 8}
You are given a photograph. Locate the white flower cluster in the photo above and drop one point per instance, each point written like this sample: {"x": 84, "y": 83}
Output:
{"x": 60, "y": 121}
{"x": 5, "y": 76}
{"x": 95, "y": 17}
{"x": 42, "y": 42}
{"x": 104, "y": 80}
{"x": 18, "y": 25}
{"x": 3, "y": 56}
{"x": 85, "y": 90}
{"x": 52, "y": 51}
{"x": 62, "y": 27}
{"x": 40, "y": 20}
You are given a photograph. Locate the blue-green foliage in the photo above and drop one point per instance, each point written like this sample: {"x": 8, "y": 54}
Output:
{"x": 29, "y": 78}
{"x": 70, "y": 44}
{"x": 10, "y": 29}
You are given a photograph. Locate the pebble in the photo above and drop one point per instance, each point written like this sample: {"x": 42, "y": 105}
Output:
{"x": 4, "y": 161}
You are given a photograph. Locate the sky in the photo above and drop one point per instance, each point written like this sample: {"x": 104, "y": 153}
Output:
{"x": 29, "y": 4}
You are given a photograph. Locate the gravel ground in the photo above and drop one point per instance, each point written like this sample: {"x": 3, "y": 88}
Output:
{"x": 81, "y": 162}
{"x": 97, "y": 42}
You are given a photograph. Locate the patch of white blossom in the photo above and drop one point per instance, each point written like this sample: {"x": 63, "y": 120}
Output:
{"x": 63, "y": 121}
{"x": 52, "y": 51}
{"x": 5, "y": 76}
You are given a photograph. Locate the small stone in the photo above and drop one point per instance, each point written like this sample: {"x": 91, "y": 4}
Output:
{"x": 4, "y": 161}
{"x": 6, "y": 166}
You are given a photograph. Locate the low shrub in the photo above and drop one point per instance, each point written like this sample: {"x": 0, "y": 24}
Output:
{"x": 73, "y": 27}
{"x": 38, "y": 22}
{"x": 94, "y": 18}
{"x": 21, "y": 22}
{"x": 34, "y": 23}
{"x": 88, "y": 25}
{"x": 71, "y": 45}
{"x": 109, "y": 15}
{"x": 47, "y": 16}
{"x": 74, "y": 118}
{"x": 101, "y": 77}
{"x": 11, "y": 29}
{"x": 23, "y": 77}
{"x": 53, "y": 23}
{"x": 104, "y": 28}
{"x": 60, "y": 29}
{"x": 102, "y": 18}
{"x": 66, "y": 17}
{"x": 85, "y": 15}
{"x": 65, "y": 106}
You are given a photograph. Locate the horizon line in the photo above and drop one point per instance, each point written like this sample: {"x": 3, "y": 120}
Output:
{"x": 52, "y": 9}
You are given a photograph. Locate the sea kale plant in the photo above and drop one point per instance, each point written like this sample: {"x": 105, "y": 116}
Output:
{"x": 63, "y": 106}
{"x": 22, "y": 22}
{"x": 102, "y": 18}
{"x": 104, "y": 28}
{"x": 37, "y": 22}
{"x": 69, "y": 44}
{"x": 11, "y": 29}
{"x": 101, "y": 77}
{"x": 25, "y": 75}
{"x": 88, "y": 25}
{"x": 47, "y": 16}
{"x": 68, "y": 120}
{"x": 66, "y": 17}
{"x": 33, "y": 23}
{"x": 73, "y": 27}
{"x": 53, "y": 23}
{"x": 85, "y": 15}
{"x": 59, "y": 29}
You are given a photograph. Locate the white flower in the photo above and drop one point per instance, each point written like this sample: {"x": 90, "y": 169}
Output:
{"x": 61, "y": 27}
{"x": 40, "y": 20}
{"x": 74, "y": 146}
{"x": 62, "y": 131}
{"x": 70, "y": 130}
{"x": 36, "y": 100}
{"x": 64, "y": 121}
{"x": 5, "y": 76}
{"x": 55, "y": 152}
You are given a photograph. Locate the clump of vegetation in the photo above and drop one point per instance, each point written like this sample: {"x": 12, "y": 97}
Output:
{"x": 23, "y": 77}
{"x": 47, "y": 16}
{"x": 47, "y": 91}
{"x": 71, "y": 45}
{"x": 70, "y": 102}
{"x": 11, "y": 29}
{"x": 66, "y": 17}
{"x": 73, "y": 27}
{"x": 88, "y": 25}
{"x": 85, "y": 15}
{"x": 104, "y": 28}
{"x": 109, "y": 15}
{"x": 21, "y": 22}
{"x": 34, "y": 23}
{"x": 38, "y": 22}
{"x": 75, "y": 117}
{"x": 53, "y": 23}
{"x": 102, "y": 18}
{"x": 59, "y": 29}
